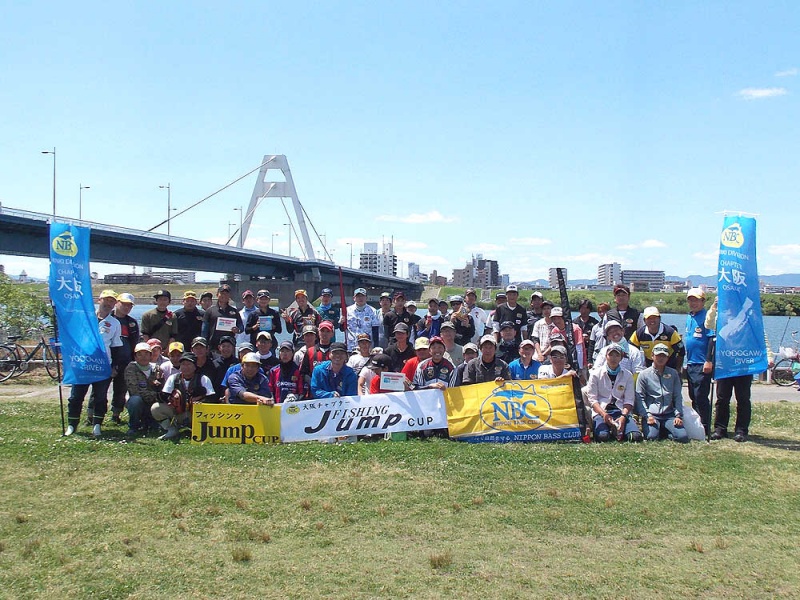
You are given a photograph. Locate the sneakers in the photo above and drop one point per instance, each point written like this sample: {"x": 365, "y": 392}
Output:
{"x": 172, "y": 433}
{"x": 740, "y": 436}
{"x": 70, "y": 430}
{"x": 115, "y": 419}
{"x": 96, "y": 432}
{"x": 90, "y": 417}
{"x": 718, "y": 434}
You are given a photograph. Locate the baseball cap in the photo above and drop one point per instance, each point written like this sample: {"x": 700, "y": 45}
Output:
{"x": 338, "y": 347}
{"x": 189, "y": 294}
{"x": 227, "y": 339}
{"x": 400, "y": 327}
{"x": 246, "y": 347}
{"x": 469, "y": 291}
{"x": 247, "y": 293}
{"x": 421, "y": 343}
{"x": 499, "y": 295}
{"x": 199, "y": 341}
{"x": 614, "y": 348}
{"x": 326, "y": 325}
{"x": 435, "y": 340}
{"x": 360, "y": 291}
{"x": 309, "y": 329}
{"x": 263, "y": 294}
{"x": 363, "y": 337}
{"x": 154, "y": 342}
{"x": 436, "y": 300}
{"x": 264, "y": 334}
{"x": 327, "y": 291}
{"x": 300, "y": 293}
{"x": 489, "y": 338}
{"x": 176, "y": 346}
{"x": 251, "y": 357}
{"x": 126, "y": 298}
{"x": 456, "y": 298}
{"x": 611, "y": 324}
{"x": 411, "y": 303}
{"x": 661, "y": 349}
{"x": 561, "y": 349}
{"x": 206, "y": 295}
{"x": 142, "y": 346}
{"x": 107, "y": 294}
{"x": 651, "y": 311}
{"x": 548, "y": 303}
{"x": 224, "y": 288}
{"x": 189, "y": 356}
{"x": 536, "y": 295}
{"x": 696, "y": 292}
{"x": 506, "y": 325}
{"x": 380, "y": 361}
{"x": 286, "y": 345}
{"x": 557, "y": 312}
{"x": 447, "y": 325}
{"x": 471, "y": 346}
{"x": 527, "y": 343}
{"x": 385, "y": 295}
{"x": 619, "y": 288}
{"x": 511, "y": 288}
{"x": 399, "y": 294}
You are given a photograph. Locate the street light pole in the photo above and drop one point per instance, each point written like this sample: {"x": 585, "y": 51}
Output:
{"x": 169, "y": 203}
{"x": 351, "y": 253}
{"x": 241, "y": 210}
{"x": 289, "y": 225}
{"x": 81, "y": 187}
{"x": 274, "y": 235}
{"x": 54, "y": 177}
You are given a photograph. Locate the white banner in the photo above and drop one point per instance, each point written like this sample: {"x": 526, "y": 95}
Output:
{"x": 365, "y": 415}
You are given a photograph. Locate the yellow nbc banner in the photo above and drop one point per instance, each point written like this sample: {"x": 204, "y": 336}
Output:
{"x": 236, "y": 424}
{"x": 518, "y": 411}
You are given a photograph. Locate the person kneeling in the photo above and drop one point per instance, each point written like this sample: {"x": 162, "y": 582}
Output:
{"x": 611, "y": 395}
{"x": 658, "y": 396}
{"x": 182, "y": 390}
{"x": 249, "y": 385}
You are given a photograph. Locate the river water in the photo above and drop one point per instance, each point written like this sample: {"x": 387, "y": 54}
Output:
{"x": 776, "y": 328}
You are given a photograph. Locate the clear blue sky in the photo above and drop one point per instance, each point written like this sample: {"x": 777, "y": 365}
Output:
{"x": 541, "y": 134}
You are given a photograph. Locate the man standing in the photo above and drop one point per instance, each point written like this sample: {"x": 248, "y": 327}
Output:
{"x": 110, "y": 334}
{"x": 478, "y": 315}
{"x": 655, "y": 332}
{"x": 189, "y": 319}
{"x": 400, "y": 350}
{"x": 658, "y": 395}
{"x": 326, "y": 310}
{"x": 249, "y": 302}
{"x": 511, "y": 311}
{"x": 206, "y": 300}
{"x": 385, "y": 307}
{"x": 361, "y": 318}
{"x": 462, "y": 320}
{"x": 454, "y": 352}
{"x": 541, "y": 333}
{"x": 221, "y": 318}
{"x": 622, "y": 313}
{"x": 696, "y": 338}
{"x": 159, "y": 322}
{"x": 396, "y": 316}
{"x": 586, "y": 321}
{"x": 559, "y": 329}
{"x": 129, "y": 334}
{"x": 297, "y": 319}
{"x": 535, "y": 309}
{"x": 263, "y": 319}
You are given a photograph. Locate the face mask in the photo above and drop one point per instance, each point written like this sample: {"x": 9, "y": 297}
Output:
{"x": 325, "y": 306}
{"x": 612, "y": 371}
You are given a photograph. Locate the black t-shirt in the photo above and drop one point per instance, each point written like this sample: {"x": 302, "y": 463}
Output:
{"x": 399, "y": 358}
{"x": 517, "y": 315}
{"x": 392, "y": 319}
{"x": 210, "y": 319}
{"x": 190, "y": 325}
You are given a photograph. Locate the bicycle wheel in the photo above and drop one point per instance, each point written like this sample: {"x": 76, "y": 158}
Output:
{"x": 50, "y": 362}
{"x": 8, "y": 363}
{"x": 23, "y": 360}
{"x": 783, "y": 373}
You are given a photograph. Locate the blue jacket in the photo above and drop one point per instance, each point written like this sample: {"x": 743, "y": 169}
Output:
{"x": 324, "y": 382}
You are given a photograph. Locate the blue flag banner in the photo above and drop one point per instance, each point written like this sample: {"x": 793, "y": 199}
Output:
{"x": 82, "y": 349}
{"x": 741, "y": 349}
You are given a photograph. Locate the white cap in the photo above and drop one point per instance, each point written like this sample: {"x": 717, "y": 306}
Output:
{"x": 696, "y": 292}
{"x": 651, "y": 311}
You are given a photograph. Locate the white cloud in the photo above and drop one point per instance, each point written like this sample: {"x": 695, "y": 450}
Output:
{"x": 401, "y": 245}
{"x": 484, "y": 247}
{"x": 787, "y": 72}
{"x": 761, "y": 93}
{"x": 427, "y": 218}
{"x": 706, "y": 256}
{"x": 644, "y": 244}
{"x": 530, "y": 241}
{"x": 785, "y": 249}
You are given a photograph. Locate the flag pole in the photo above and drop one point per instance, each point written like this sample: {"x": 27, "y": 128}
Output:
{"x": 57, "y": 353}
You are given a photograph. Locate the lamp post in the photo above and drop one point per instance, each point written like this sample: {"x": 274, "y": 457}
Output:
{"x": 229, "y": 231}
{"x": 274, "y": 235}
{"x": 169, "y": 203}
{"x": 289, "y": 225}
{"x": 241, "y": 211}
{"x": 54, "y": 177}
{"x": 81, "y": 187}
{"x": 351, "y": 253}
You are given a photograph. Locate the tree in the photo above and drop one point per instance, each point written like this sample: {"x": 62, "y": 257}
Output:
{"x": 20, "y": 309}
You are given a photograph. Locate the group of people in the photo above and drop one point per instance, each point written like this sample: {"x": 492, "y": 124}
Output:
{"x": 628, "y": 364}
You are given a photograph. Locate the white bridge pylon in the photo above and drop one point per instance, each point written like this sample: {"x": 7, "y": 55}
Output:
{"x": 276, "y": 189}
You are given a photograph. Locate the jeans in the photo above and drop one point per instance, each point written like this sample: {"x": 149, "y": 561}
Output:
{"x": 76, "y": 397}
{"x": 139, "y": 415}
{"x": 699, "y": 392}
{"x": 602, "y": 433}
{"x": 725, "y": 389}
{"x": 665, "y": 428}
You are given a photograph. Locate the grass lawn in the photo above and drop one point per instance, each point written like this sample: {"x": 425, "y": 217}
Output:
{"x": 149, "y": 519}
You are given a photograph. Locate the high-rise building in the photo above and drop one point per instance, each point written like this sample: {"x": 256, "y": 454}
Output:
{"x": 478, "y": 273}
{"x": 553, "y": 277}
{"x": 384, "y": 262}
{"x": 643, "y": 280}
{"x": 609, "y": 274}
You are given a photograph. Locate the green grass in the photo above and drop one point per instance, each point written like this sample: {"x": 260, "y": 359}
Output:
{"x": 147, "y": 519}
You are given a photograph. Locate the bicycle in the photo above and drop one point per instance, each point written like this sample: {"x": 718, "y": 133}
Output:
{"x": 15, "y": 358}
{"x": 786, "y": 370}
